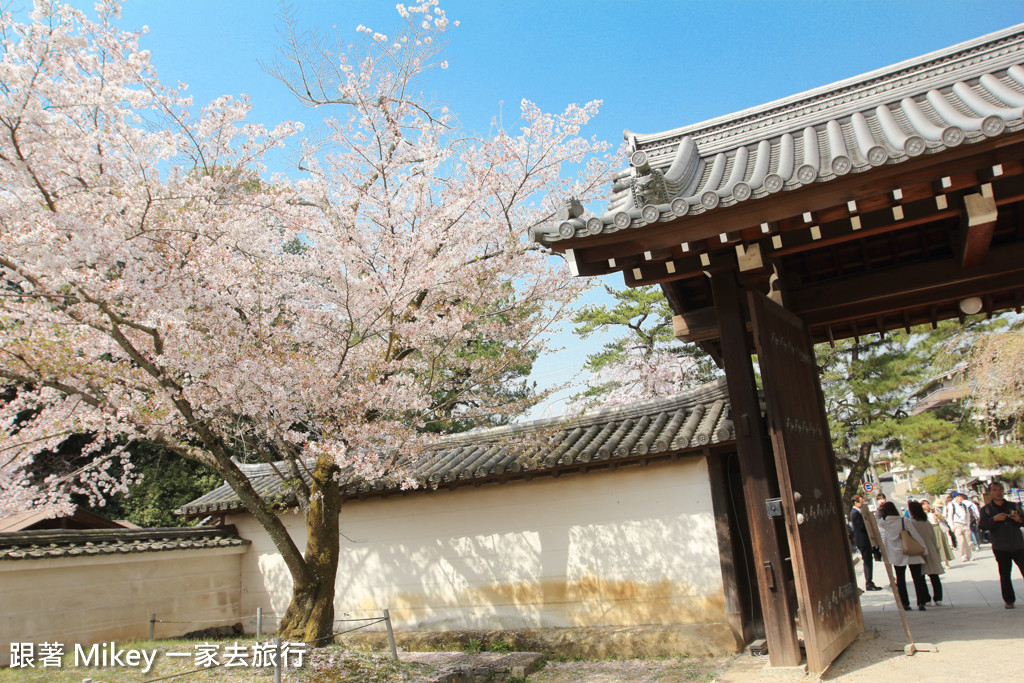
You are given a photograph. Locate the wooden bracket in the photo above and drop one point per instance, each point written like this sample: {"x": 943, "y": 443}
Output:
{"x": 976, "y": 227}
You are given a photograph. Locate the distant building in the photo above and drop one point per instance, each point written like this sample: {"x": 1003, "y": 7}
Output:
{"x": 81, "y": 519}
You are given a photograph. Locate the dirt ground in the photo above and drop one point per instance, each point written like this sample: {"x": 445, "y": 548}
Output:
{"x": 975, "y": 639}
{"x": 975, "y": 644}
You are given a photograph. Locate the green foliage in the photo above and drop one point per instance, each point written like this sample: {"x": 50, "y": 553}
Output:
{"x": 295, "y": 247}
{"x": 505, "y": 385}
{"x": 866, "y": 383}
{"x": 934, "y": 440}
{"x": 500, "y": 645}
{"x": 167, "y": 482}
{"x": 937, "y": 483}
{"x": 1008, "y": 455}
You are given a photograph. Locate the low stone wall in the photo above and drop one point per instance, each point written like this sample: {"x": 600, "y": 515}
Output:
{"x": 101, "y": 598}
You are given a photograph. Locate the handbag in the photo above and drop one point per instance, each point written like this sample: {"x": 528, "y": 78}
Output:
{"x": 908, "y": 545}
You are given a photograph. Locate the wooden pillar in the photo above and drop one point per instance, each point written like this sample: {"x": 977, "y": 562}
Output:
{"x": 757, "y": 465}
{"x": 732, "y": 566}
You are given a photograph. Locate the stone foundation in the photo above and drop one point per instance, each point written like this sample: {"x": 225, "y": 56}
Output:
{"x": 595, "y": 642}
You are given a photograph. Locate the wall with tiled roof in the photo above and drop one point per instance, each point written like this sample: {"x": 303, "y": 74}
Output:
{"x": 36, "y": 545}
{"x": 675, "y": 424}
{"x": 100, "y": 585}
{"x": 632, "y": 551}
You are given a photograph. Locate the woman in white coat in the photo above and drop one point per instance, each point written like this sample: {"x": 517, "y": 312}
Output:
{"x": 890, "y": 524}
{"x": 932, "y": 566}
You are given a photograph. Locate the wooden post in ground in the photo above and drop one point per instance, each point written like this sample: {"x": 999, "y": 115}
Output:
{"x": 278, "y": 664}
{"x": 391, "y": 634}
{"x": 876, "y": 539}
{"x": 757, "y": 468}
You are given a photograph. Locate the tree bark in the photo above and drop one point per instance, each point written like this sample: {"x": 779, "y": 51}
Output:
{"x": 856, "y": 472}
{"x": 310, "y": 615}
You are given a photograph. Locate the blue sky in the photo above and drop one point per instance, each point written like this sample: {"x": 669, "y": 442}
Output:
{"x": 656, "y": 65}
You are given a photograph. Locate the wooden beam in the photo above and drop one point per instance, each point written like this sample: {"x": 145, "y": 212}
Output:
{"x": 977, "y": 226}
{"x": 793, "y": 235}
{"x": 893, "y": 289}
{"x": 760, "y": 481}
{"x": 907, "y": 295}
{"x": 695, "y": 326}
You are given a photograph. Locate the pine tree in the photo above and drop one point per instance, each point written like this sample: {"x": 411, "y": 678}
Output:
{"x": 866, "y": 384}
{"x": 645, "y": 360}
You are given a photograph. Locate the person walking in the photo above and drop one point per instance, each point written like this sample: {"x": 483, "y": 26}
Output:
{"x": 932, "y": 566}
{"x": 1003, "y": 520}
{"x": 972, "y": 506}
{"x": 880, "y": 500}
{"x": 890, "y": 525}
{"x": 959, "y": 517}
{"x": 938, "y": 522}
{"x": 862, "y": 541}
{"x": 945, "y": 509}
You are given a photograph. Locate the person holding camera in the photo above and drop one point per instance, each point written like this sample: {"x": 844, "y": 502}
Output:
{"x": 1003, "y": 520}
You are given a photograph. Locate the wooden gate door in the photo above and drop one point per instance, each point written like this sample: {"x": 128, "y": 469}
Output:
{"x": 830, "y": 615}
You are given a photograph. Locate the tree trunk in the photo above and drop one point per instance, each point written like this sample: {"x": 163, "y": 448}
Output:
{"x": 857, "y": 470}
{"x": 310, "y": 615}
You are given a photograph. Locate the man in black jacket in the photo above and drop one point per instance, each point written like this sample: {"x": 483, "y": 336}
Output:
{"x": 1002, "y": 519}
{"x": 863, "y": 543}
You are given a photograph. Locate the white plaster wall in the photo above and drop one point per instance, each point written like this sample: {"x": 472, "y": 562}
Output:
{"x": 633, "y": 546}
{"x": 102, "y": 598}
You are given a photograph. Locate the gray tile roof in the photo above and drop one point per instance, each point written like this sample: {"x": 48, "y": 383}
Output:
{"x": 959, "y": 95}
{"x": 42, "y": 544}
{"x": 657, "y": 428}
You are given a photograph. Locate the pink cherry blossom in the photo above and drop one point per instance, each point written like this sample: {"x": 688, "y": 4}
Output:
{"x": 158, "y": 285}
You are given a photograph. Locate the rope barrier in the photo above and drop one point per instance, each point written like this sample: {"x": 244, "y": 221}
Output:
{"x": 370, "y": 622}
{"x": 183, "y": 673}
{"x": 339, "y": 633}
{"x": 206, "y": 621}
{"x": 252, "y": 617}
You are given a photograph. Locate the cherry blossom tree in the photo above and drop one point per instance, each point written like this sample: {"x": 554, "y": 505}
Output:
{"x": 158, "y": 286}
{"x": 992, "y": 366}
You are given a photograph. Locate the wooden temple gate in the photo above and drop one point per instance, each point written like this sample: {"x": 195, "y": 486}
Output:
{"x": 827, "y": 588}
{"x": 878, "y": 203}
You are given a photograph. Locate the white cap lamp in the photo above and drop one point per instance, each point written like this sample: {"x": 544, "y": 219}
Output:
{"x": 971, "y": 305}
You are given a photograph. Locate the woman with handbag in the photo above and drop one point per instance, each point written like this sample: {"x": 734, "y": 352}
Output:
{"x": 941, "y": 529}
{"x": 906, "y": 548}
{"x": 932, "y": 566}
